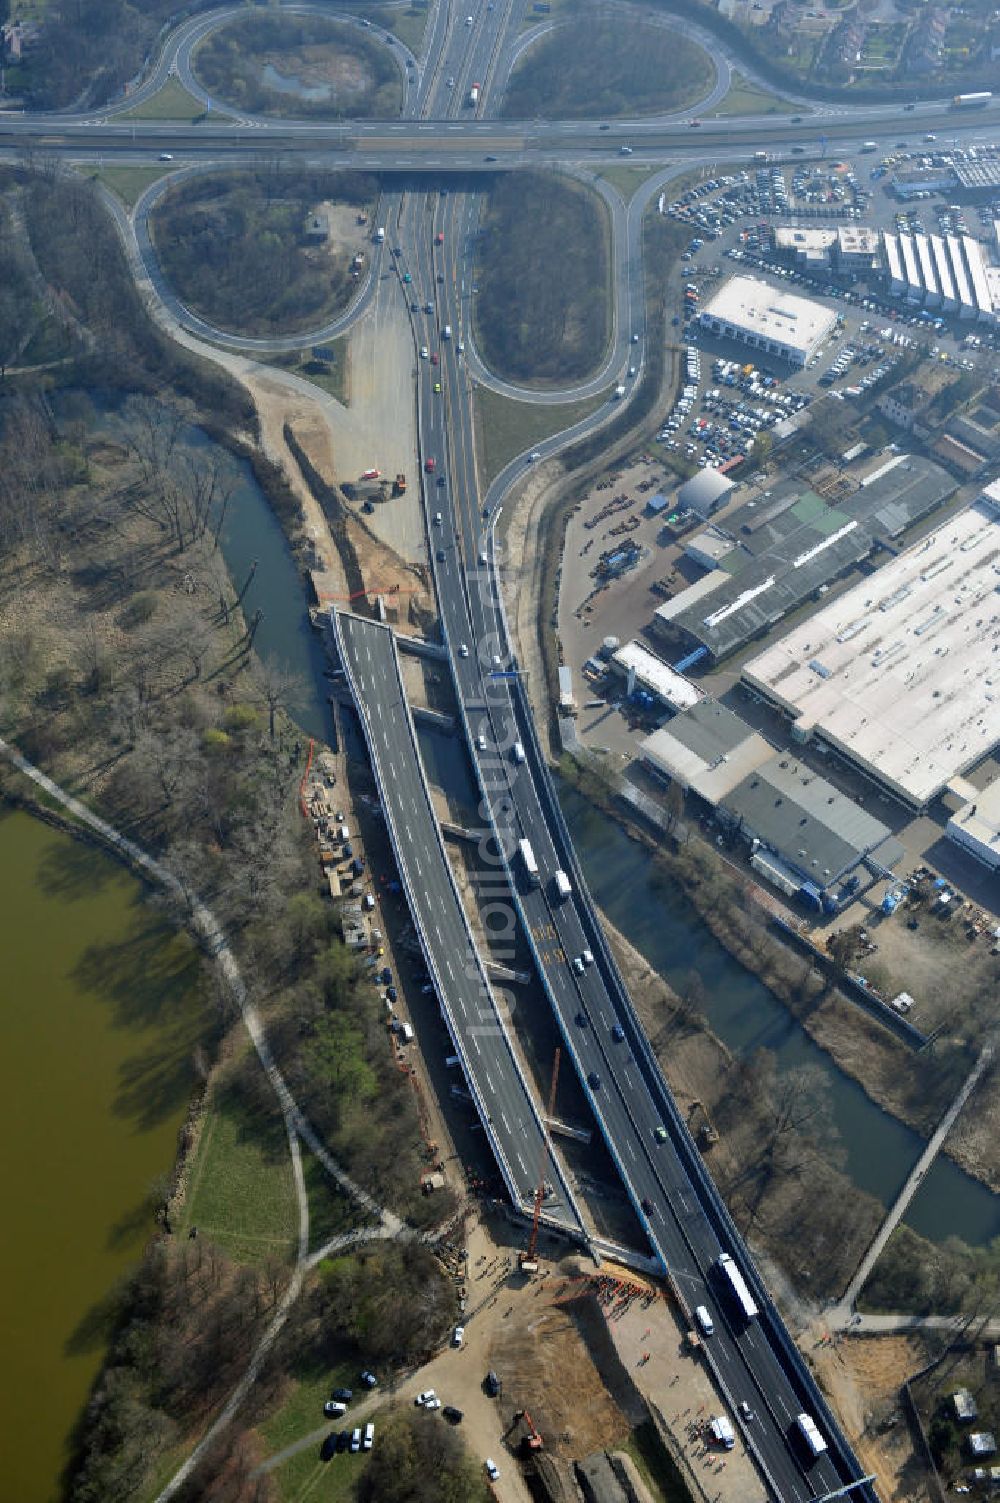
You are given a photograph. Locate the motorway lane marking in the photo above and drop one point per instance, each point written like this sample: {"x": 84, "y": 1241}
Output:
{"x": 503, "y": 1119}
{"x": 628, "y": 1145}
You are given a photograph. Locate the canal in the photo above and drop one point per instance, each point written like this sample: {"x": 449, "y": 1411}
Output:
{"x": 101, "y": 1019}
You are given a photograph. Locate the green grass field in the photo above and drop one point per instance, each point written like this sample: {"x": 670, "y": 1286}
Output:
{"x": 745, "y": 98}
{"x": 627, "y": 179}
{"x": 240, "y": 1192}
{"x": 130, "y": 182}
{"x": 330, "y": 378}
{"x": 330, "y": 1212}
{"x": 172, "y": 102}
{"x": 505, "y": 427}
{"x": 306, "y": 1477}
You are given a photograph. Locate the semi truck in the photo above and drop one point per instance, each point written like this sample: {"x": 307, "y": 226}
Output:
{"x": 808, "y": 1433}
{"x": 474, "y": 96}
{"x": 528, "y": 861}
{"x": 736, "y": 1285}
{"x": 972, "y": 101}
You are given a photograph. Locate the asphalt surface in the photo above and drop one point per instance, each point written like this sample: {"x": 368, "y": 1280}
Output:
{"x": 495, "y": 1080}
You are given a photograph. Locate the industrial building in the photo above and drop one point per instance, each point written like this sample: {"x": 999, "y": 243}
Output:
{"x": 789, "y": 545}
{"x": 706, "y": 750}
{"x": 802, "y": 836}
{"x": 648, "y": 677}
{"x": 900, "y": 676}
{"x": 771, "y": 321}
{"x": 976, "y": 825}
{"x": 947, "y": 273}
{"x": 704, "y": 493}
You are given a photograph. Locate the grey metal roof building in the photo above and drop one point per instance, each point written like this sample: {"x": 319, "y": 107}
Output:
{"x": 790, "y": 543}
{"x": 820, "y": 833}
{"x": 704, "y": 492}
{"x": 706, "y": 749}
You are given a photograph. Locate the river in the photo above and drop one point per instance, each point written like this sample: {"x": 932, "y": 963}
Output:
{"x": 100, "y": 1021}
{"x": 652, "y": 914}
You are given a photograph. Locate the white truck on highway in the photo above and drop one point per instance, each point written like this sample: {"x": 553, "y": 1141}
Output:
{"x": 528, "y": 861}
{"x": 562, "y": 884}
{"x": 808, "y": 1432}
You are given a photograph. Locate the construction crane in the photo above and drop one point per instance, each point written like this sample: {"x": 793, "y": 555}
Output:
{"x": 528, "y": 1262}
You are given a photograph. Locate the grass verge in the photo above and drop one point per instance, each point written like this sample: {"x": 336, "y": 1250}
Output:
{"x": 129, "y": 182}
{"x": 505, "y": 427}
{"x": 172, "y": 102}
{"x": 656, "y": 1465}
{"x": 240, "y": 1193}
{"x": 300, "y": 1476}
{"x": 331, "y": 376}
{"x": 628, "y": 179}
{"x": 745, "y": 98}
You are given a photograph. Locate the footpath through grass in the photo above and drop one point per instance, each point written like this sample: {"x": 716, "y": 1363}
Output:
{"x": 240, "y": 1192}
{"x": 172, "y": 102}
{"x": 505, "y": 427}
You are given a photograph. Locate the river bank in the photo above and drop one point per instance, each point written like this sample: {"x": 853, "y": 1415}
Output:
{"x": 915, "y": 1090}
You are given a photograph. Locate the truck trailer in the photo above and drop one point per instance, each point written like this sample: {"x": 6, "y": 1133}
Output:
{"x": 528, "y": 862}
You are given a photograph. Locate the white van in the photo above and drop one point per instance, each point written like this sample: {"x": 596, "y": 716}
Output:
{"x": 369, "y": 1439}
{"x": 517, "y": 752}
{"x": 705, "y": 1320}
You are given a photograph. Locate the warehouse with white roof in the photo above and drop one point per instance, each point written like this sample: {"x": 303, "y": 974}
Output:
{"x": 901, "y": 675}
{"x": 767, "y": 319}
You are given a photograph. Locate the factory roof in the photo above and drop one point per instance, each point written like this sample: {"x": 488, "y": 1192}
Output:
{"x": 795, "y": 812}
{"x": 758, "y": 308}
{"x": 791, "y": 543}
{"x": 901, "y": 672}
{"x": 653, "y": 674}
{"x": 704, "y": 491}
{"x": 710, "y": 547}
{"x": 977, "y": 824}
{"x": 707, "y": 749}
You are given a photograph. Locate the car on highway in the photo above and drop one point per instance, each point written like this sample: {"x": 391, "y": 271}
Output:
{"x": 594, "y": 1081}
{"x": 463, "y": 650}
{"x": 439, "y": 238}
{"x": 442, "y": 481}
{"x": 451, "y": 82}
{"x": 461, "y": 347}
{"x": 435, "y": 358}
{"x": 581, "y": 1020}
{"x": 745, "y": 1410}
{"x": 424, "y": 352}
{"x": 578, "y": 965}
{"x": 618, "y": 1033}
{"x": 660, "y": 1134}
{"x": 407, "y": 278}
{"x": 166, "y": 156}
{"x": 440, "y": 555}
{"x": 604, "y": 127}
{"x": 428, "y": 307}
{"x": 438, "y": 519}
{"x": 625, "y": 151}
{"x": 647, "y": 1206}
{"x": 490, "y": 159}
{"x": 430, "y": 465}
{"x": 437, "y": 388}
{"x": 535, "y": 454}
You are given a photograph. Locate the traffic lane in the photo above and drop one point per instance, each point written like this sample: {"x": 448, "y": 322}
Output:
{"x": 669, "y": 1184}
{"x": 436, "y": 909}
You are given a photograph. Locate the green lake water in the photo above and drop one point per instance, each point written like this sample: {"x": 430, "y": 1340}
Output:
{"x": 99, "y": 1020}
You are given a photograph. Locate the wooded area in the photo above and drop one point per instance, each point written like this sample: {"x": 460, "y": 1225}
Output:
{"x": 607, "y": 65}
{"x": 233, "y": 247}
{"x": 543, "y": 310}
{"x": 355, "y": 73}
